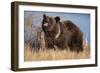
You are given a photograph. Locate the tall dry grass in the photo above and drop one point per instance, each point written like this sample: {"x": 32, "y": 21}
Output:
{"x": 51, "y": 54}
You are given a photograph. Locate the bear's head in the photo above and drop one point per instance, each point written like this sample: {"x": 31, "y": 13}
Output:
{"x": 49, "y": 23}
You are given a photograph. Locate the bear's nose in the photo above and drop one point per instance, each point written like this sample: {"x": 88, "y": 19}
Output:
{"x": 45, "y": 24}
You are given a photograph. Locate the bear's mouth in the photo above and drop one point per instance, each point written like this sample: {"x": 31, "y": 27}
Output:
{"x": 45, "y": 24}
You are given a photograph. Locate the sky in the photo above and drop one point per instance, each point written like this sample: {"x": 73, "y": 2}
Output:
{"x": 80, "y": 19}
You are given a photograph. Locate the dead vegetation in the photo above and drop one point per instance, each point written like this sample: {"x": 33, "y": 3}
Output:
{"x": 51, "y": 54}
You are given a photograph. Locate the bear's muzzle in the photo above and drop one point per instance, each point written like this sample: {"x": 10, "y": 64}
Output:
{"x": 45, "y": 24}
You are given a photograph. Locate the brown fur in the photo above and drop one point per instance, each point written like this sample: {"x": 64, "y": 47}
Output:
{"x": 70, "y": 36}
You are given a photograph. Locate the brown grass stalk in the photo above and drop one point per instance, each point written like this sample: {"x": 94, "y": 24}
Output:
{"x": 51, "y": 54}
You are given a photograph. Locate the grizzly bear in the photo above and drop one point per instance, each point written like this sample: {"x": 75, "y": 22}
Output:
{"x": 61, "y": 35}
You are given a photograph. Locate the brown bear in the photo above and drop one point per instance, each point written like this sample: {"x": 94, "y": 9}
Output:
{"x": 61, "y": 34}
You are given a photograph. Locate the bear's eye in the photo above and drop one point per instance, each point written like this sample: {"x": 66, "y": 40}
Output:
{"x": 44, "y": 21}
{"x": 51, "y": 20}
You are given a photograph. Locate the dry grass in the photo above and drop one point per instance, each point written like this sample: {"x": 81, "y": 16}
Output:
{"x": 43, "y": 55}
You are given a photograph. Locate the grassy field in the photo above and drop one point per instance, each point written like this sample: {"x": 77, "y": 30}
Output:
{"x": 43, "y": 55}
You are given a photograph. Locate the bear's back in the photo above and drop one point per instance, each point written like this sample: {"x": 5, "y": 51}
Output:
{"x": 71, "y": 26}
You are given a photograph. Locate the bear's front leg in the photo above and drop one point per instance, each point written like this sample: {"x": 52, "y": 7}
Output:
{"x": 49, "y": 42}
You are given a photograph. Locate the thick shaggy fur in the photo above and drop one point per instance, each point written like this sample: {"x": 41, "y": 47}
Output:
{"x": 70, "y": 36}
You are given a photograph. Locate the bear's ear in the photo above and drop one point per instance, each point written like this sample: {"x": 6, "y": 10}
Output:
{"x": 44, "y": 16}
{"x": 57, "y": 18}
